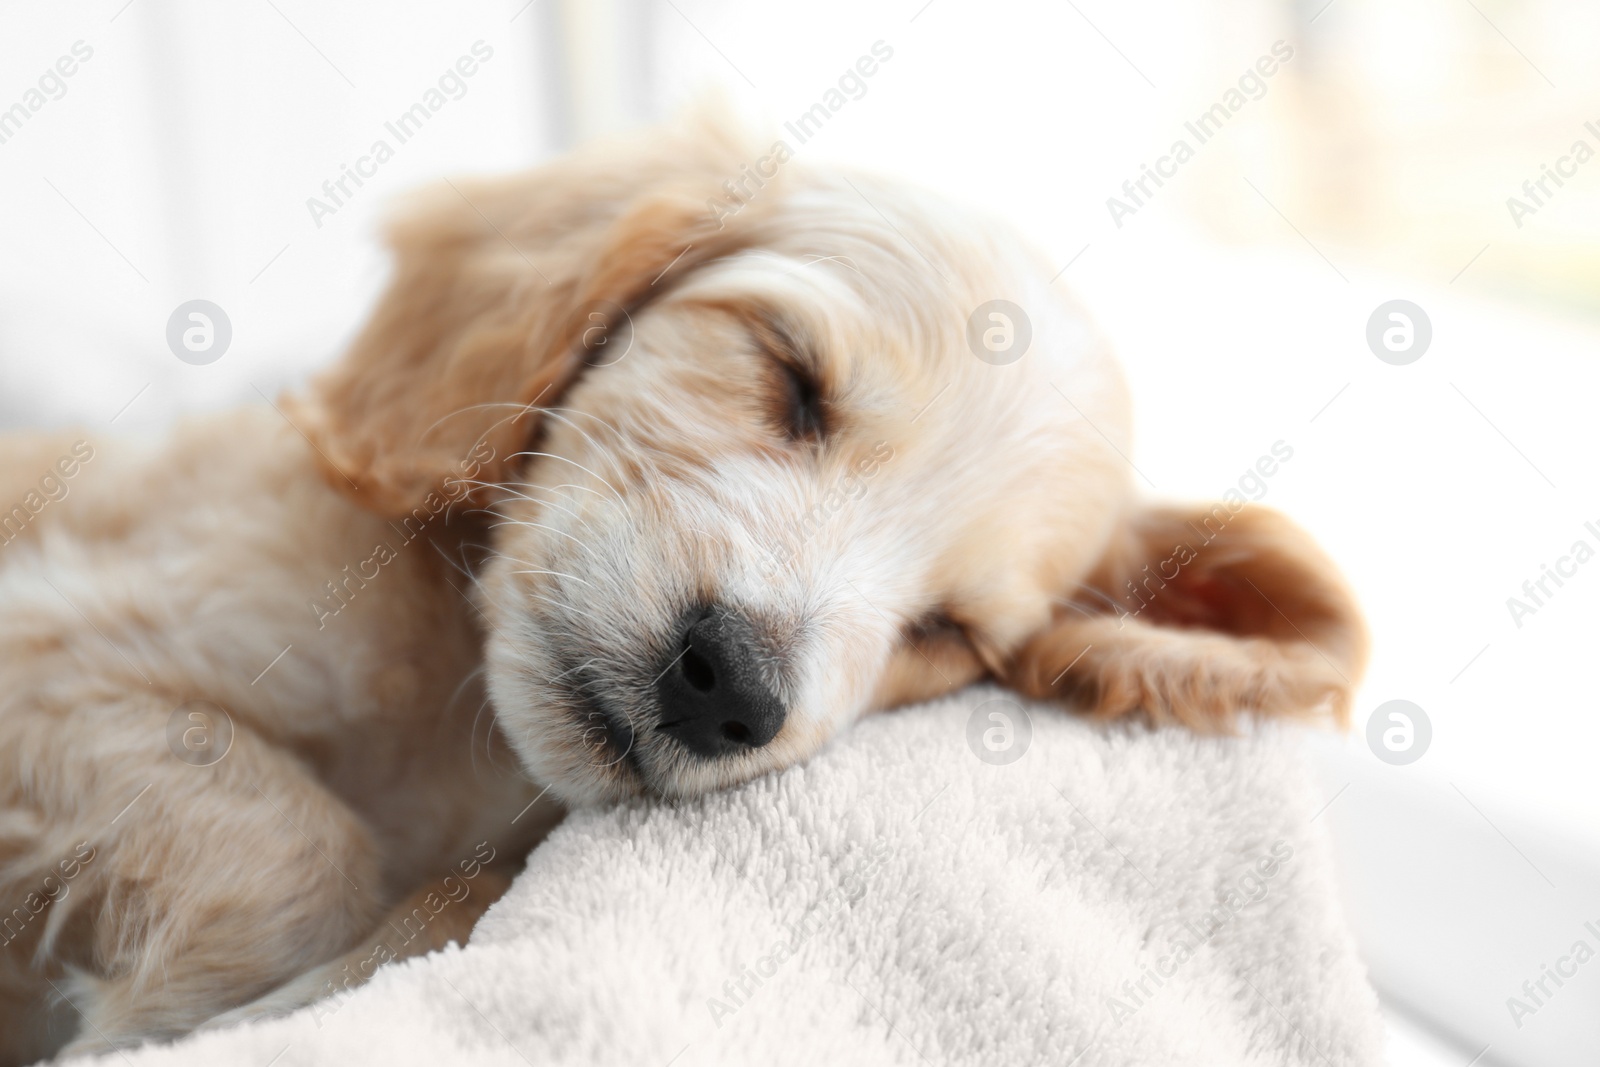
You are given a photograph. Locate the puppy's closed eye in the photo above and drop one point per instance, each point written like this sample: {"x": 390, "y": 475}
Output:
{"x": 802, "y": 408}
{"x": 800, "y": 411}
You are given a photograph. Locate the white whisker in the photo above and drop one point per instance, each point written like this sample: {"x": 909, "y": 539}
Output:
{"x": 567, "y": 607}
{"x": 553, "y": 574}
{"x": 522, "y": 409}
{"x": 570, "y": 670}
{"x": 559, "y": 533}
{"x": 575, "y": 463}
{"x": 557, "y": 413}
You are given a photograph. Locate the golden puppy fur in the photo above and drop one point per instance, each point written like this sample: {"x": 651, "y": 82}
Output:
{"x": 588, "y": 401}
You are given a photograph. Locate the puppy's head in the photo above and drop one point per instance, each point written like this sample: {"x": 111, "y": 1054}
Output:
{"x": 767, "y": 448}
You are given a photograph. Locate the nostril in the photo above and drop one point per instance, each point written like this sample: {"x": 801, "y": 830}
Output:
{"x": 697, "y": 672}
{"x": 712, "y": 695}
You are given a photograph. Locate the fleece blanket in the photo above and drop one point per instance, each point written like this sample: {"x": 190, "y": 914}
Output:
{"x": 977, "y": 881}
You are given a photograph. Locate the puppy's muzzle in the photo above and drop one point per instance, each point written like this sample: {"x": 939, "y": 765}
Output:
{"x": 714, "y": 700}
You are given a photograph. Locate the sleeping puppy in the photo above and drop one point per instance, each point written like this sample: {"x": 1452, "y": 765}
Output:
{"x": 676, "y": 478}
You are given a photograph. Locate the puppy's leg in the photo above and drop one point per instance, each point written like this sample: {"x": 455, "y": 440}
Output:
{"x": 426, "y": 921}
{"x": 214, "y": 885}
{"x": 1197, "y": 616}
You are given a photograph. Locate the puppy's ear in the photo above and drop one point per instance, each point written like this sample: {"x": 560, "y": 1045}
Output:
{"x": 1198, "y": 616}
{"x": 500, "y": 291}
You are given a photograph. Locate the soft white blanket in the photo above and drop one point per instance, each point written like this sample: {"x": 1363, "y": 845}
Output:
{"x": 1114, "y": 896}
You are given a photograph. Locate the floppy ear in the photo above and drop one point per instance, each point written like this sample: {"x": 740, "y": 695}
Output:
{"x": 1198, "y": 616}
{"x": 500, "y": 289}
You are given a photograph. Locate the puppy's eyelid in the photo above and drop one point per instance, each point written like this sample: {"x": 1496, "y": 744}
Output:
{"x": 803, "y": 413}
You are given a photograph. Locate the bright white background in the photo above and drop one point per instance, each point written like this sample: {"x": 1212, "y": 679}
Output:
{"x": 179, "y": 160}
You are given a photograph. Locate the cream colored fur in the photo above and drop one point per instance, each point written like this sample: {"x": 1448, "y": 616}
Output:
{"x": 563, "y": 423}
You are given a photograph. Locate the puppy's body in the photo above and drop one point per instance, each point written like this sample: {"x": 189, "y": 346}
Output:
{"x": 738, "y": 474}
{"x": 361, "y": 762}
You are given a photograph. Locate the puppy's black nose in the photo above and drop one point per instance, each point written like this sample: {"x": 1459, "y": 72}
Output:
{"x": 713, "y": 700}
